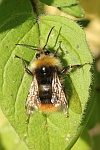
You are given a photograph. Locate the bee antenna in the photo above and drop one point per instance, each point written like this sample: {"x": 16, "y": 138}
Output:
{"x": 28, "y": 46}
{"x": 48, "y": 37}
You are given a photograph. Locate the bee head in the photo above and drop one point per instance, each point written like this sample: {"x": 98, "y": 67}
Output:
{"x": 43, "y": 53}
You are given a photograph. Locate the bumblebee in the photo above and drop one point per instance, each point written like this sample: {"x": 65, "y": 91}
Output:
{"x": 46, "y": 91}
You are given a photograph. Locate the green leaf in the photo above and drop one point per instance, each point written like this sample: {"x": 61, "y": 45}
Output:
{"x": 44, "y": 131}
{"x": 95, "y": 118}
{"x": 70, "y": 7}
{"x": 59, "y": 3}
{"x": 73, "y": 10}
{"x": 9, "y": 140}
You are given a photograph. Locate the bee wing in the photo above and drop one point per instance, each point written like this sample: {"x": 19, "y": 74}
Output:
{"x": 33, "y": 100}
{"x": 58, "y": 95}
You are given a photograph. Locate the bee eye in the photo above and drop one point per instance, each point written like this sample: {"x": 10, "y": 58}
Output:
{"x": 47, "y": 52}
{"x": 37, "y": 55}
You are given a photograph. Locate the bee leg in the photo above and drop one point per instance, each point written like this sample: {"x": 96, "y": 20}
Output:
{"x": 24, "y": 65}
{"x": 29, "y": 111}
{"x": 28, "y": 118}
{"x": 68, "y": 69}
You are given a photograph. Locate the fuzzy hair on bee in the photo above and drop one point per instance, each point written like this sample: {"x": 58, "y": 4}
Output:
{"x": 46, "y": 92}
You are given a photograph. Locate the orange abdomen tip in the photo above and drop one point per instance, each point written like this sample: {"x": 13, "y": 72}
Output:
{"x": 49, "y": 108}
